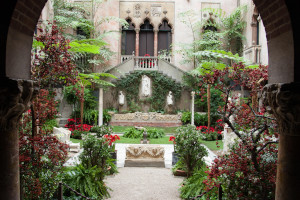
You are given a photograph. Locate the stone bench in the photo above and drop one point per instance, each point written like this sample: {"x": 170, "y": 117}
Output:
{"x": 144, "y": 156}
{"x": 63, "y": 135}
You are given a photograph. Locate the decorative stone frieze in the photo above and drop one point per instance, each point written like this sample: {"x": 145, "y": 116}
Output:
{"x": 15, "y": 99}
{"x": 152, "y": 116}
{"x": 283, "y": 101}
{"x": 145, "y": 152}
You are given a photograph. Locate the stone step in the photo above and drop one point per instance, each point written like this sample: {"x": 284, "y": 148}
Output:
{"x": 144, "y": 163}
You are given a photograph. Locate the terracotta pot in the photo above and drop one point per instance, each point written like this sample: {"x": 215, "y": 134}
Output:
{"x": 179, "y": 172}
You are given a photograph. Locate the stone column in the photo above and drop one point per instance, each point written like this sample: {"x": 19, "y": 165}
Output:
{"x": 192, "y": 108}
{"x": 283, "y": 101}
{"x": 100, "y": 116}
{"x": 172, "y": 47}
{"x": 137, "y": 41}
{"x": 15, "y": 98}
{"x": 155, "y": 42}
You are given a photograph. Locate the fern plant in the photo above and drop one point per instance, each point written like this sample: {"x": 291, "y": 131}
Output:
{"x": 87, "y": 181}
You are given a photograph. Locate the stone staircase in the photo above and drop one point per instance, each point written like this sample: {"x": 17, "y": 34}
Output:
{"x": 131, "y": 64}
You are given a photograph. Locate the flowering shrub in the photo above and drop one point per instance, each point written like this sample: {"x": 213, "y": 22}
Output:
{"x": 111, "y": 139}
{"x": 238, "y": 174}
{"x": 102, "y": 130}
{"x": 41, "y": 159}
{"x": 212, "y": 134}
{"x": 72, "y": 125}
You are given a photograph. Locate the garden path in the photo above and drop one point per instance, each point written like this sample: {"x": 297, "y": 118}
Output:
{"x": 144, "y": 183}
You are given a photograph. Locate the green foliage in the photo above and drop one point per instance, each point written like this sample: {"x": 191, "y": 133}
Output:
{"x": 161, "y": 85}
{"x": 77, "y": 134}
{"x": 155, "y": 133}
{"x": 133, "y": 133}
{"x": 48, "y": 125}
{"x": 194, "y": 186}
{"x": 190, "y": 149}
{"x": 199, "y": 119}
{"x": 86, "y": 180}
{"x": 102, "y": 130}
{"x": 95, "y": 153}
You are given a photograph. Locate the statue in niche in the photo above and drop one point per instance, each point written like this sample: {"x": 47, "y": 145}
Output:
{"x": 170, "y": 99}
{"x": 121, "y": 98}
{"x": 146, "y": 86}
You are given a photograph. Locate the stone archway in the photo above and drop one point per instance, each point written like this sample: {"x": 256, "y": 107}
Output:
{"x": 279, "y": 17}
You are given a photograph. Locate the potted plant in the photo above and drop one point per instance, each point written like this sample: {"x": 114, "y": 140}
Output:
{"x": 174, "y": 153}
{"x": 113, "y": 152}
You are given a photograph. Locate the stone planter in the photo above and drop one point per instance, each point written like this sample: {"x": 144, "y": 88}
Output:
{"x": 114, "y": 156}
{"x": 175, "y": 158}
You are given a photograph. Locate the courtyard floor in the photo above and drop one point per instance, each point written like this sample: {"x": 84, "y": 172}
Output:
{"x": 144, "y": 183}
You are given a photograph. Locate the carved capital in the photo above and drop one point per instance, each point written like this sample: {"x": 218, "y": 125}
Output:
{"x": 283, "y": 101}
{"x": 15, "y": 99}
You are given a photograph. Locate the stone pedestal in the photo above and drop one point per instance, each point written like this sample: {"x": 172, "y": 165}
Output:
{"x": 144, "y": 156}
{"x": 15, "y": 98}
{"x": 283, "y": 101}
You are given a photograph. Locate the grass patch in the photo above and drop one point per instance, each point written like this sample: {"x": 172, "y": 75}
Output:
{"x": 212, "y": 144}
{"x": 77, "y": 141}
{"x": 165, "y": 140}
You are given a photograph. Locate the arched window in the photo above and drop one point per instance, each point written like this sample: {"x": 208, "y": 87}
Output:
{"x": 128, "y": 39}
{"x": 164, "y": 36}
{"x": 146, "y": 41}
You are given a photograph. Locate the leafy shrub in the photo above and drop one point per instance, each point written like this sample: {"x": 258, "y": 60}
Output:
{"x": 190, "y": 149}
{"x": 77, "y": 134}
{"x": 49, "y": 124}
{"x": 213, "y": 134}
{"x": 199, "y": 119}
{"x": 155, "y": 133}
{"x": 102, "y": 130}
{"x": 133, "y": 133}
{"x": 95, "y": 152}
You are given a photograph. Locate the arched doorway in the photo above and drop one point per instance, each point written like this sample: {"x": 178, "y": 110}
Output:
{"x": 146, "y": 43}
{"x": 128, "y": 39}
{"x": 164, "y": 37}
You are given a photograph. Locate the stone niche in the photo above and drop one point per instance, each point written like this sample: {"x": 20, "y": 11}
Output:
{"x": 138, "y": 11}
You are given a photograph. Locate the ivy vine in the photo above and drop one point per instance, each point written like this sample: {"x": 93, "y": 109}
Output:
{"x": 161, "y": 85}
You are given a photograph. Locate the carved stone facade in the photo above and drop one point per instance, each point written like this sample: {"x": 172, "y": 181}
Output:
{"x": 283, "y": 101}
{"x": 145, "y": 152}
{"x": 138, "y": 11}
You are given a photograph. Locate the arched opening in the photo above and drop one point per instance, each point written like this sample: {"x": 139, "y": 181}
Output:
{"x": 146, "y": 42}
{"x": 164, "y": 37}
{"x": 128, "y": 39}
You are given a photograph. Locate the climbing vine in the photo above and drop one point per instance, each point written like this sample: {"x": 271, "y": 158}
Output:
{"x": 161, "y": 85}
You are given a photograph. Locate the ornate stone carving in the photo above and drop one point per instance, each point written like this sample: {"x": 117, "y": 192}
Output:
{"x": 156, "y": 10}
{"x": 283, "y": 101}
{"x": 15, "y": 99}
{"x": 137, "y": 11}
{"x": 144, "y": 152}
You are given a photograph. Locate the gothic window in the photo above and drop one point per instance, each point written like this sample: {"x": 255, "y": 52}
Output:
{"x": 146, "y": 41}
{"x": 164, "y": 36}
{"x": 128, "y": 39}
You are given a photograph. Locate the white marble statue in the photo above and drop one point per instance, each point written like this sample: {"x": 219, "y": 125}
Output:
{"x": 146, "y": 86}
{"x": 121, "y": 98}
{"x": 170, "y": 98}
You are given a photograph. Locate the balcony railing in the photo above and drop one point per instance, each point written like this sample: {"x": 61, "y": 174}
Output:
{"x": 253, "y": 54}
{"x": 145, "y": 63}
